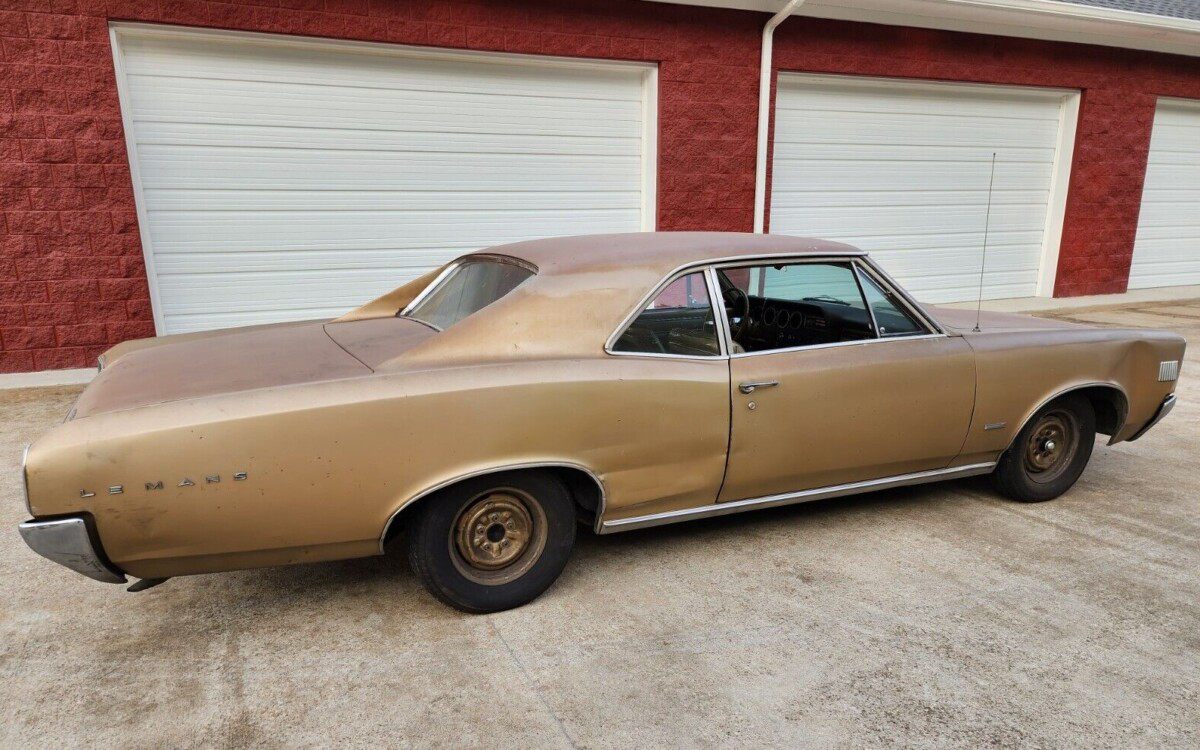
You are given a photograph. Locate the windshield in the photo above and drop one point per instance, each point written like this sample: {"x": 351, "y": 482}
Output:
{"x": 470, "y": 286}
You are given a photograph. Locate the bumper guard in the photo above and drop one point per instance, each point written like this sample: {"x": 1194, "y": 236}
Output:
{"x": 68, "y": 542}
{"x": 1163, "y": 410}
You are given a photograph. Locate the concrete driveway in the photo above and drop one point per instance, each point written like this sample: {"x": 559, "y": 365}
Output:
{"x": 937, "y": 617}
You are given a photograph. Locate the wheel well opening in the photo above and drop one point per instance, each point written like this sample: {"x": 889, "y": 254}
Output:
{"x": 1109, "y": 405}
{"x": 584, "y": 488}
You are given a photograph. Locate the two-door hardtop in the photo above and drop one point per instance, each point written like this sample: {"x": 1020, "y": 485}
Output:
{"x": 621, "y": 380}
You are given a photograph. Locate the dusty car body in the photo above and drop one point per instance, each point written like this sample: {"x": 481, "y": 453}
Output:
{"x": 315, "y": 441}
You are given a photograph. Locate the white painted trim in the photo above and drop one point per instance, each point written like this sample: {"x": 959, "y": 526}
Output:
{"x": 1059, "y": 188}
{"x": 135, "y": 174}
{"x": 1028, "y": 19}
{"x": 47, "y": 378}
{"x": 120, "y": 30}
{"x": 650, "y": 150}
{"x": 766, "y": 71}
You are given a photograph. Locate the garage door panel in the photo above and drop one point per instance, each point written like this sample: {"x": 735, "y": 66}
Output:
{"x": 902, "y": 169}
{"x": 296, "y": 60}
{"x": 286, "y": 179}
{"x": 871, "y": 198}
{"x": 859, "y": 175}
{"x": 186, "y": 199}
{"x": 222, "y": 102}
{"x": 252, "y": 168}
{"x": 912, "y": 131}
{"x": 176, "y": 231}
{"x": 1167, "y": 247}
{"x": 907, "y": 221}
{"x": 360, "y": 139}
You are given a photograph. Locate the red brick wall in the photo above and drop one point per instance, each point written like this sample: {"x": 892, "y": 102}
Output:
{"x": 72, "y": 280}
{"x": 1120, "y": 91}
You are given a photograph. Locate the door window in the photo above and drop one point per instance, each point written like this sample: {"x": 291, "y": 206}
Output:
{"x": 796, "y": 304}
{"x": 891, "y": 318}
{"x": 678, "y": 321}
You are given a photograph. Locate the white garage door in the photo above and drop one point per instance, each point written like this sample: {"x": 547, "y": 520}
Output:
{"x": 285, "y": 179}
{"x": 901, "y": 169}
{"x": 1167, "y": 249}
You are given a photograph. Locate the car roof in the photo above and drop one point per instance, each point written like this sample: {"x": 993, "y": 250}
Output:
{"x": 583, "y": 289}
{"x": 660, "y": 252}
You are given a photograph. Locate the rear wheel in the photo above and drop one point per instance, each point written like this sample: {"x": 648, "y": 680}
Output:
{"x": 1050, "y": 452}
{"x": 494, "y": 542}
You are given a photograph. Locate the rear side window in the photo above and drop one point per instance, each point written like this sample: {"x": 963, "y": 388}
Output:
{"x": 678, "y": 321}
{"x": 469, "y": 287}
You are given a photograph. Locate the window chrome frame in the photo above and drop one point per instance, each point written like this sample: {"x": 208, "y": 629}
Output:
{"x": 932, "y": 332}
{"x": 704, "y": 270}
{"x": 452, "y": 266}
{"x": 858, "y": 260}
{"x": 888, "y": 284}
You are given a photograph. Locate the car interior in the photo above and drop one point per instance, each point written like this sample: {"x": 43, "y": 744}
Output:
{"x": 769, "y": 307}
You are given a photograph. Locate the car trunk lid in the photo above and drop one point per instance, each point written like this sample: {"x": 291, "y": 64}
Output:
{"x": 224, "y": 362}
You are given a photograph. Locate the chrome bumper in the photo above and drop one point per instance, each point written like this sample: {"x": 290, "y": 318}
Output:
{"x": 1163, "y": 410}
{"x": 67, "y": 542}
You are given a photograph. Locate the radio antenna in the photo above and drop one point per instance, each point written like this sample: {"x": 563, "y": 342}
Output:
{"x": 987, "y": 220}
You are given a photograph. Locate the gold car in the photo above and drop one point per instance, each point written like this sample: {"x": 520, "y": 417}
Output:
{"x": 618, "y": 381}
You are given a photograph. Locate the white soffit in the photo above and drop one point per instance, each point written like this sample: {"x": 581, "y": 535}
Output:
{"x": 1030, "y": 19}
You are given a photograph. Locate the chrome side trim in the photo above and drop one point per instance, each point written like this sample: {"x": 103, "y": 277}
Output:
{"x": 496, "y": 470}
{"x": 789, "y": 498}
{"x": 25, "y": 477}
{"x": 67, "y": 542}
{"x": 1163, "y": 410}
{"x": 100, "y": 363}
{"x": 833, "y": 344}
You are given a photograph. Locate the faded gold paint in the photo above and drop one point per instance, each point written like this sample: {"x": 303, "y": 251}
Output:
{"x": 339, "y": 425}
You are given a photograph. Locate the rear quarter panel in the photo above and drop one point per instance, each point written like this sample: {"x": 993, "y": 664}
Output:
{"x": 328, "y": 464}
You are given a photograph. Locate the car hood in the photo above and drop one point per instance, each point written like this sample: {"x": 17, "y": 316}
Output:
{"x": 175, "y": 368}
{"x": 960, "y": 320}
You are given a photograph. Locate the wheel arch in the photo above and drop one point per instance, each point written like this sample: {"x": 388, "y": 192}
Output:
{"x": 585, "y": 486}
{"x": 1109, "y": 401}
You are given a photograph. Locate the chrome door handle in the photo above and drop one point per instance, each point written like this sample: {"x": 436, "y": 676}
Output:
{"x": 751, "y": 387}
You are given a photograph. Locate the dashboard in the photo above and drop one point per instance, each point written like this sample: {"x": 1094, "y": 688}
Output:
{"x": 777, "y": 324}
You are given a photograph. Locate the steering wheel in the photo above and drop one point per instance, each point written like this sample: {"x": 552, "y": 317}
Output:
{"x": 737, "y": 305}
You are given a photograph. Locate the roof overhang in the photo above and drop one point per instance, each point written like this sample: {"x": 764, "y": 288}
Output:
{"x": 1029, "y": 19}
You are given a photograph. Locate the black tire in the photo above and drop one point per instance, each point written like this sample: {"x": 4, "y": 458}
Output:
{"x": 455, "y": 540}
{"x": 1049, "y": 453}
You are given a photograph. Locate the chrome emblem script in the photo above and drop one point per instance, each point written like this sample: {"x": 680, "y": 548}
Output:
{"x": 153, "y": 486}
{"x": 186, "y": 483}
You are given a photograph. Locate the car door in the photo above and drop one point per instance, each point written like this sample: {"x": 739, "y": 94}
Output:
{"x": 830, "y": 390}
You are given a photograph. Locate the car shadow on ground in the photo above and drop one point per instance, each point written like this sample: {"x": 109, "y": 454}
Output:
{"x": 314, "y": 584}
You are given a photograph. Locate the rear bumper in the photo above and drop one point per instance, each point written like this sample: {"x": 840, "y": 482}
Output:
{"x": 68, "y": 542}
{"x": 1163, "y": 410}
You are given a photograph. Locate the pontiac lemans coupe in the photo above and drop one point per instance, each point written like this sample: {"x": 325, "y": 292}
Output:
{"x": 618, "y": 381}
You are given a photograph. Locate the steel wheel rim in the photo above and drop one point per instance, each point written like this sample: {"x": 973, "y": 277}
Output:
{"x": 498, "y": 536}
{"x": 1051, "y": 446}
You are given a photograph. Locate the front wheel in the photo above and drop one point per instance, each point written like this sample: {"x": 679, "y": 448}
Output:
{"x": 493, "y": 542}
{"x": 1050, "y": 452}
